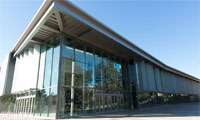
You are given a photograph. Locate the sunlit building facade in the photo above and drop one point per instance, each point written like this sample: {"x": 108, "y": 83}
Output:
{"x": 67, "y": 64}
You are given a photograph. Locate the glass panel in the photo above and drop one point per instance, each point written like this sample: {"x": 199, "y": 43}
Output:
{"x": 67, "y": 95}
{"x": 55, "y": 67}
{"x": 47, "y": 77}
{"x": 42, "y": 67}
{"x": 47, "y": 99}
{"x": 53, "y": 101}
{"x": 89, "y": 73}
{"x": 119, "y": 81}
{"x": 104, "y": 74}
{"x": 98, "y": 84}
{"x": 111, "y": 76}
{"x": 64, "y": 102}
{"x": 78, "y": 100}
{"x": 98, "y": 72}
{"x": 88, "y": 99}
{"x": 79, "y": 55}
{"x": 99, "y": 100}
{"x": 68, "y": 52}
{"x": 44, "y": 96}
{"x": 89, "y": 58}
{"x": 67, "y": 72}
{"x": 78, "y": 78}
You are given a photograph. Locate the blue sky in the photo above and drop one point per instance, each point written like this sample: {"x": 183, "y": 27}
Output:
{"x": 167, "y": 30}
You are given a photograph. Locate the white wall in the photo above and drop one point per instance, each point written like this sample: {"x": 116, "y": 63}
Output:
{"x": 26, "y": 69}
{"x": 3, "y": 73}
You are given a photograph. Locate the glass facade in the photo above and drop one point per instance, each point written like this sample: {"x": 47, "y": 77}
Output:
{"x": 89, "y": 83}
{"x": 46, "y": 104}
{"x": 77, "y": 82}
{"x": 73, "y": 82}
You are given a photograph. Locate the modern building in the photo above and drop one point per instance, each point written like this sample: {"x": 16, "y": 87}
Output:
{"x": 67, "y": 64}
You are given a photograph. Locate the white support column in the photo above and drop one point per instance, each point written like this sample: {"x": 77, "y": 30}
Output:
{"x": 34, "y": 105}
{"x": 22, "y": 105}
{"x": 20, "y": 110}
{"x": 15, "y": 106}
{"x": 31, "y": 106}
{"x": 19, "y": 106}
{"x": 25, "y": 105}
{"x": 72, "y": 90}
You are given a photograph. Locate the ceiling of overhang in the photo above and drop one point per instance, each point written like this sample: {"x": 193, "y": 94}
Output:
{"x": 49, "y": 28}
{"x": 57, "y": 22}
{"x": 86, "y": 34}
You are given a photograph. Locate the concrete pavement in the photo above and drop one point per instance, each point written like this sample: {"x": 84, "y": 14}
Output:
{"x": 184, "y": 111}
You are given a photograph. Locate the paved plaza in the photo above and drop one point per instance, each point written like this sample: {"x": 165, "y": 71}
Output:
{"x": 186, "y": 111}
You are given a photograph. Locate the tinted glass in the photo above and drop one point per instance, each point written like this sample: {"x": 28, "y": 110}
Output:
{"x": 67, "y": 72}
{"x": 89, "y": 73}
{"x": 89, "y": 58}
{"x": 52, "y": 101}
{"x": 68, "y": 52}
{"x": 55, "y": 66}
{"x": 88, "y": 99}
{"x": 44, "y": 98}
{"x": 79, "y": 55}
{"x": 98, "y": 72}
{"x": 97, "y": 83}
{"x": 78, "y": 100}
{"x": 48, "y": 63}
{"x": 78, "y": 75}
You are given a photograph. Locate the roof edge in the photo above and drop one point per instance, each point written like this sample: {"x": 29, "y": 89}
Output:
{"x": 66, "y": 6}
{"x": 37, "y": 16}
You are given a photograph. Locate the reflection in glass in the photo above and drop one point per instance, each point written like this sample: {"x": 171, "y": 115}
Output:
{"x": 97, "y": 83}
{"x": 64, "y": 102}
{"x": 67, "y": 72}
{"x": 55, "y": 66}
{"x": 78, "y": 100}
{"x": 52, "y": 101}
{"x": 47, "y": 77}
{"x": 89, "y": 58}
{"x": 89, "y": 81}
{"x": 79, "y": 69}
{"x": 98, "y": 72}
{"x": 68, "y": 52}
{"x": 79, "y": 55}
{"x": 44, "y": 97}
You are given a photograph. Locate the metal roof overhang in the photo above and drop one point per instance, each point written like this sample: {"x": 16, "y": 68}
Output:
{"x": 67, "y": 8}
